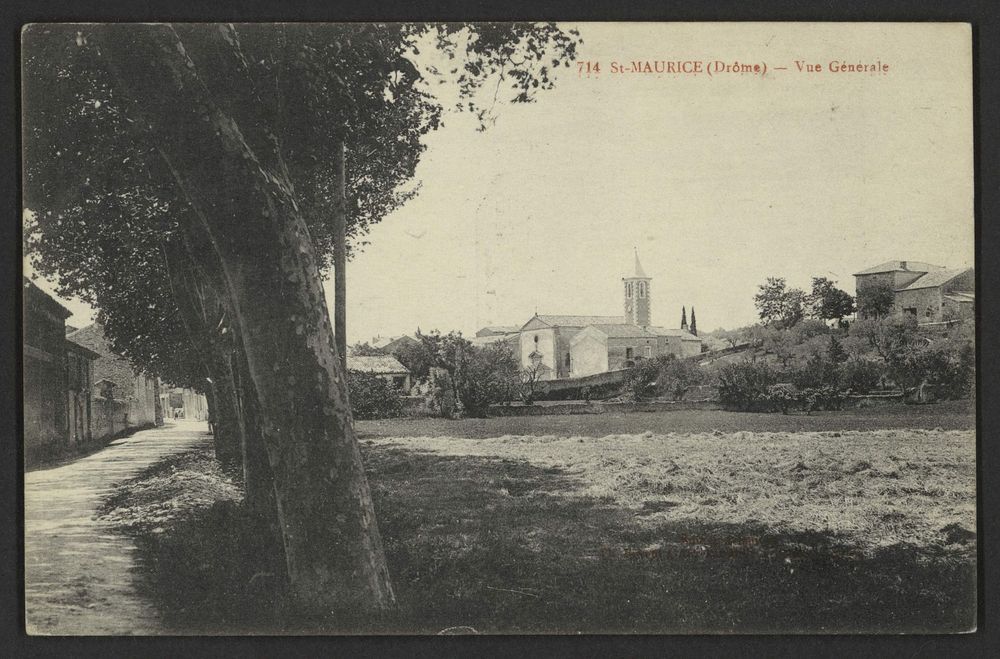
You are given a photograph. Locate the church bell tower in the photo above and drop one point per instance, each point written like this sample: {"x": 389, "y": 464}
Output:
{"x": 637, "y": 296}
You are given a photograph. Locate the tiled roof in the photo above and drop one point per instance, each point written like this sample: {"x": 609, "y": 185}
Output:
{"x": 577, "y": 321}
{"x": 894, "y": 266}
{"x": 506, "y": 329}
{"x": 385, "y": 341}
{"x": 668, "y": 331}
{"x": 375, "y": 364}
{"x": 34, "y": 295}
{"x": 935, "y": 278}
{"x": 496, "y": 338}
{"x": 623, "y": 331}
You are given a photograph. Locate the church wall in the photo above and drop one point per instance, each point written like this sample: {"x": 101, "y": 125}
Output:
{"x": 564, "y": 339}
{"x": 546, "y": 345}
{"x": 589, "y": 354}
{"x": 618, "y": 351}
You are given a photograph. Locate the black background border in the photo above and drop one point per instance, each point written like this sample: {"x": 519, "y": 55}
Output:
{"x": 985, "y": 19}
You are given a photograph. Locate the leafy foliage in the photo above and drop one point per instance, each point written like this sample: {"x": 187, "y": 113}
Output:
{"x": 744, "y": 386}
{"x": 372, "y": 397}
{"x": 875, "y": 299}
{"x": 779, "y": 305}
{"x": 829, "y": 302}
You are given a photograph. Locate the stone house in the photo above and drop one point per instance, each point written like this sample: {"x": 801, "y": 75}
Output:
{"x": 182, "y": 403}
{"x": 930, "y": 293}
{"x": 57, "y": 378}
{"x": 386, "y": 367}
{"x": 121, "y": 398}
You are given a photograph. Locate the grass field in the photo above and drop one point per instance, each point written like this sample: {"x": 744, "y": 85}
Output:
{"x": 952, "y": 415}
{"x": 676, "y": 532}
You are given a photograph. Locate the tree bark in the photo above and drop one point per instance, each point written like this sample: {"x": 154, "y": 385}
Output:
{"x": 244, "y": 201}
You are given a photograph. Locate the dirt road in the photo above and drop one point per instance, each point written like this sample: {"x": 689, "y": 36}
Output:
{"x": 78, "y": 574}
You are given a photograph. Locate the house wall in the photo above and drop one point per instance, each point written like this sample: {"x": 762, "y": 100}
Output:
{"x": 78, "y": 385}
{"x": 690, "y": 348}
{"x": 926, "y": 302}
{"x": 957, "y": 310}
{"x": 45, "y": 394}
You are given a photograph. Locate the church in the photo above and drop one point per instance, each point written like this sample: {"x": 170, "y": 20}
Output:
{"x": 561, "y": 346}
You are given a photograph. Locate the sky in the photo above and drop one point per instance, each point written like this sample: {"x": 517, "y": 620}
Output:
{"x": 719, "y": 181}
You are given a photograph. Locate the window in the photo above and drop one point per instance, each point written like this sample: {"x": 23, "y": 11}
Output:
{"x": 642, "y": 289}
{"x": 648, "y": 351}
{"x": 910, "y": 310}
{"x": 536, "y": 340}
{"x": 628, "y": 353}
{"x": 628, "y": 289}
{"x": 567, "y": 361}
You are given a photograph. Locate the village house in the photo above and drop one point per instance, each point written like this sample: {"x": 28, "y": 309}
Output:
{"x": 182, "y": 403}
{"x": 121, "y": 398}
{"x": 930, "y": 293}
{"x": 57, "y": 378}
{"x": 386, "y": 367}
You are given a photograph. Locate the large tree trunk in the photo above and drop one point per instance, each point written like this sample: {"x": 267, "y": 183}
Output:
{"x": 243, "y": 200}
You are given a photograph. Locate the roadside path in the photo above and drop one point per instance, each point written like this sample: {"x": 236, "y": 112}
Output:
{"x": 78, "y": 573}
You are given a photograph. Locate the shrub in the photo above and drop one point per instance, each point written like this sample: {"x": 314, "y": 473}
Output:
{"x": 486, "y": 376}
{"x": 641, "y": 380}
{"x": 744, "y": 386}
{"x": 861, "y": 376}
{"x": 372, "y": 397}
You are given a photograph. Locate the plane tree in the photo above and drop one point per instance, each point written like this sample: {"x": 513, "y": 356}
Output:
{"x": 195, "y": 182}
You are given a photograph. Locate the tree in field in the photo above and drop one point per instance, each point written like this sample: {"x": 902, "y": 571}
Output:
{"x": 875, "y": 300}
{"x": 829, "y": 302}
{"x": 209, "y": 174}
{"x": 415, "y": 357}
{"x": 779, "y": 305}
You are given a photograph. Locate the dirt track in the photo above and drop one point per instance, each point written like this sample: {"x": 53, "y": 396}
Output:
{"x": 78, "y": 573}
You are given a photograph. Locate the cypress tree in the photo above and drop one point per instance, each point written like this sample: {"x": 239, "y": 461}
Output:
{"x": 684, "y": 318}
{"x": 694, "y": 323}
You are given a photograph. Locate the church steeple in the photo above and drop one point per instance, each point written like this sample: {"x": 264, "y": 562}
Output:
{"x": 637, "y": 296}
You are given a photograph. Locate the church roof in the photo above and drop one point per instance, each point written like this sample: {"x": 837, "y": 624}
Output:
{"x": 623, "y": 331}
{"x": 668, "y": 331}
{"x": 935, "y": 278}
{"x": 639, "y": 272}
{"x": 576, "y": 321}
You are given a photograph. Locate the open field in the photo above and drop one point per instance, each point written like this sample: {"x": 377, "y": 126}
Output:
{"x": 832, "y": 531}
{"x": 952, "y": 415}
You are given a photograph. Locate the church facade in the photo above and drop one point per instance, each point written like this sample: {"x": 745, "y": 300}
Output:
{"x": 569, "y": 346}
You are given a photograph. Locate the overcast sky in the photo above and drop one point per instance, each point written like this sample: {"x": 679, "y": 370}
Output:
{"x": 719, "y": 181}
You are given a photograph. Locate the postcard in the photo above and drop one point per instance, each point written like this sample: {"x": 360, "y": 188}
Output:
{"x": 498, "y": 328}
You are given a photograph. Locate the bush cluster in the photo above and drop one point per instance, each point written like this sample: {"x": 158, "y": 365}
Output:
{"x": 372, "y": 397}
